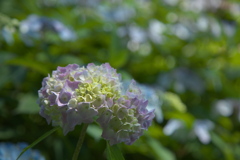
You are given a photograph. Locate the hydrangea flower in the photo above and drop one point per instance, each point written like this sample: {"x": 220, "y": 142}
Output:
{"x": 10, "y": 151}
{"x": 73, "y": 95}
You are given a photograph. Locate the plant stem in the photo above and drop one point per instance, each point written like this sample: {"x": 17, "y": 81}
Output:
{"x": 80, "y": 141}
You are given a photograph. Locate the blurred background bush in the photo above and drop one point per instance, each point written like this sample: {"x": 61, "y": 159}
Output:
{"x": 184, "y": 53}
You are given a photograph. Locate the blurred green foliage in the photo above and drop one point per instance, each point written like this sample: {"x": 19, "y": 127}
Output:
{"x": 187, "y": 51}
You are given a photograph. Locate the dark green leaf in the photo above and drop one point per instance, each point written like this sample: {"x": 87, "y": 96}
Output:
{"x": 28, "y": 104}
{"x": 40, "y": 67}
{"x": 38, "y": 140}
{"x": 113, "y": 153}
{"x": 159, "y": 151}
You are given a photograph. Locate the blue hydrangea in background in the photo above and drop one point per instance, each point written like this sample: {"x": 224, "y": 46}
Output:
{"x": 10, "y": 151}
{"x": 35, "y": 26}
{"x": 201, "y": 129}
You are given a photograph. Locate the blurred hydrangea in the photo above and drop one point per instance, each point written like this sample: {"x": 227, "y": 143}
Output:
{"x": 201, "y": 5}
{"x": 182, "y": 79}
{"x": 228, "y": 107}
{"x": 200, "y": 129}
{"x": 8, "y": 27}
{"x": 224, "y": 107}
{"x": 74, "y": 95}
{"x": 10, "y": 151}
{"x": 118, "y": 14}
{"x": 35, "y": 27}
{"x": 172, "y": 126}
{"x": 156, "y": 30}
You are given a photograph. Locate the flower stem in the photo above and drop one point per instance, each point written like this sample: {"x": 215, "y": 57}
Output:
{"x": 80, "y": 141}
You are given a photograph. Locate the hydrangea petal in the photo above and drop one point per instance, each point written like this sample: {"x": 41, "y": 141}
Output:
{"x": 52, "y": 98}
{"x": 63, "y": 98}
{"x": 70, "y": 85}
{"x": 86, "y": 113}
{"x": 104, "y": 118}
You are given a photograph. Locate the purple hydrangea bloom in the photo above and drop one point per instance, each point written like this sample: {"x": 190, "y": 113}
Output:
{"x": 73, "y": 95}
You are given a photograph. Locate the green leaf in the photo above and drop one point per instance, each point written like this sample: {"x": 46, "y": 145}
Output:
{"x": 173, "y": 101}
{"x": 7, "y": 133}
{"x": 159, "y": 151}
{"x": 27, "y": 104}
{"x": 38, "y": 140}
{"x": 118, "y": 59}
{"x": 94, "y": 131}
{"x": 69, "y": 59}
{"x": 113, "y": 153}
{"x": 37, "y": 66}
{"x": 223, "y": 146}
{"x": 117, "y": 56}
{"x": 186, "y": 117}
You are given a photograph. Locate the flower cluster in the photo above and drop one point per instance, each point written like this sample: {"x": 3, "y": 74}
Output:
{"x": 74, "y": 95}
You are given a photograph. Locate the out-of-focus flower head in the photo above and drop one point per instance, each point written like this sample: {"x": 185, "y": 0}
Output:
{"x": 34, "y": 27}
{"x": 228, "y": 107}
{"x": 74, "y": 95}
{"x": 8, "y": 27}
{"x": 201, "y": 129}
{"x": 179, "y": 79}
{"x": 10, "y": 151}
{"x": 119, "y": 14}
